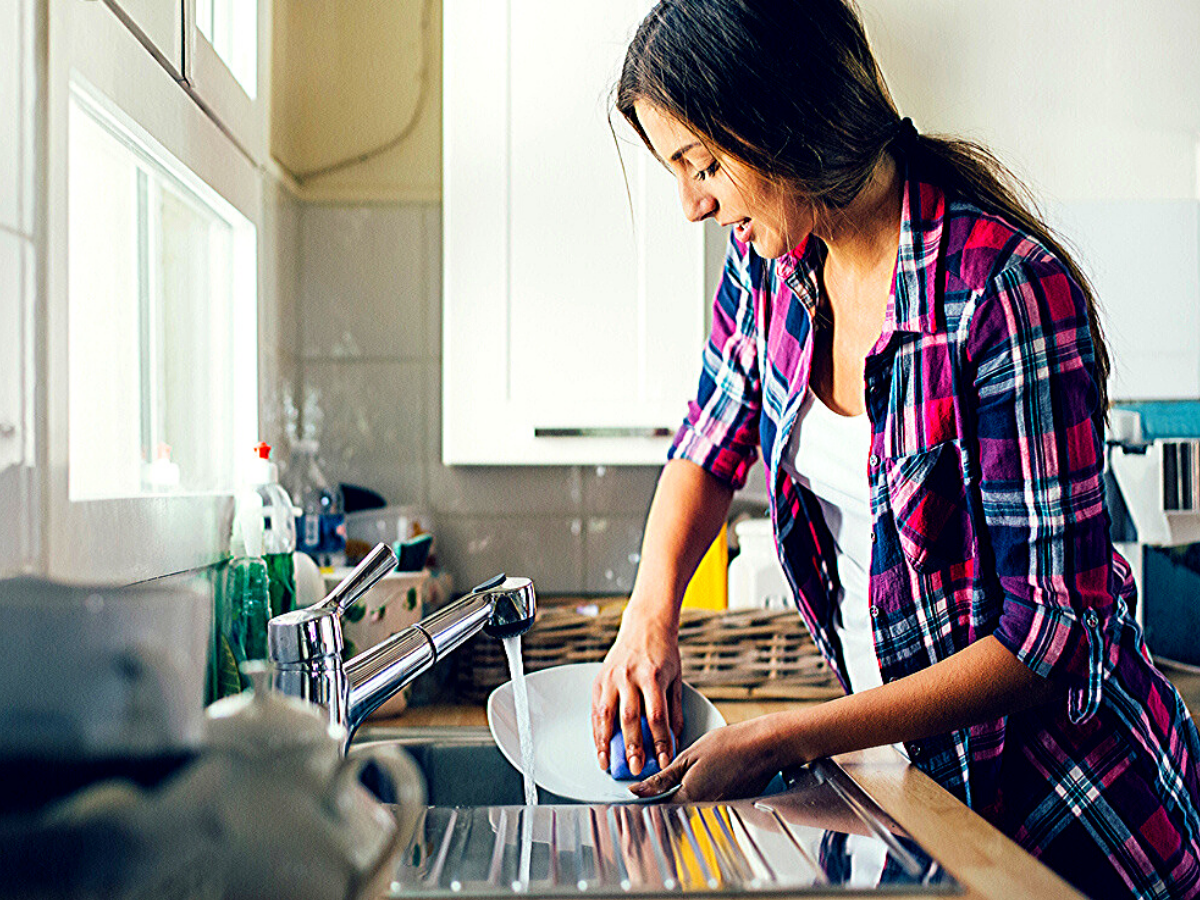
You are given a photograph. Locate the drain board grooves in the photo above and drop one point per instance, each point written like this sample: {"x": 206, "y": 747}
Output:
{"x": 822, "y": 835}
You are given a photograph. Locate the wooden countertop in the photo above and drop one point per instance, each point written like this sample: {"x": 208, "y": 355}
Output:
{"x": 987, "y": 864}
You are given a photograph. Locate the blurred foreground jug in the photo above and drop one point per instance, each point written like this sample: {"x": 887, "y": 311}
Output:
{"x": 299, "y": 822}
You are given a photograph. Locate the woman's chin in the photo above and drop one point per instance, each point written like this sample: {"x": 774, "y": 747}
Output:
{"x": 768, "y": 246}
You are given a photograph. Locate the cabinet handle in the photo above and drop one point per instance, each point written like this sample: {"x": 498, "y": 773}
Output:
{"x": 7, "y": 430}
{"x": 648, "y": 431}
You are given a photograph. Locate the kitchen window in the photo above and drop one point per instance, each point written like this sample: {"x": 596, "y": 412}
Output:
{"x": 231, "y": 28}
{"x": 153, "y": 216}
{"x": 161, "y": 322}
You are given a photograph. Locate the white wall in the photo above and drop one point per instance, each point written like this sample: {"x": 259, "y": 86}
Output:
{"x": 1096, "y": 103}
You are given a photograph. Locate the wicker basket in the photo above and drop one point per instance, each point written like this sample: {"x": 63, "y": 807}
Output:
{"x": 742, "y": 655}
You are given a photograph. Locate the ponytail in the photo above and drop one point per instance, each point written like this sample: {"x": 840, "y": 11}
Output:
{"x": 969, "y": 171}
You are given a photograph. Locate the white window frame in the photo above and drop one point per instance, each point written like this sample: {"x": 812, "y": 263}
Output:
{"x": 142, "y": 537}
{"x": 212, "y": 83}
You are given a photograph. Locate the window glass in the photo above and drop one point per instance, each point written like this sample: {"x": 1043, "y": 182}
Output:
{"x": 161, "y": 317}
{"x": 231, "y": 26}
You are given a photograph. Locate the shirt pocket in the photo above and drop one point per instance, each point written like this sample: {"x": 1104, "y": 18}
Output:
{"x": 928, "y": 496}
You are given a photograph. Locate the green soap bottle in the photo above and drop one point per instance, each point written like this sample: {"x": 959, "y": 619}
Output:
{"x": 248, "y": 589}
{"x": 281, "y": 572}
{"x": 243, "y": 600}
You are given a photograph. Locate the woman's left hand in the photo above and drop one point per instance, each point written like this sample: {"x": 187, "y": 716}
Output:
{"x": 729, "y": 763}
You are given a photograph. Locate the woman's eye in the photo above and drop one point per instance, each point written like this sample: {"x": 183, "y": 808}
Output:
{"x": 709, "y": 172}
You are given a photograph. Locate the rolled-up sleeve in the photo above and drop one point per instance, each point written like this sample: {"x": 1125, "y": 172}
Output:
{"x": 720, "y": 431}
{"x": 1041, "y": 484}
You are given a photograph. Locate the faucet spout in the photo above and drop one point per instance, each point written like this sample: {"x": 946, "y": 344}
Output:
{"x": 306, "y": 645}
{"x": 504, "y": 607}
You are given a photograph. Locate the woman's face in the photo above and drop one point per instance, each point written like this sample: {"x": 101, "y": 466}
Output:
{"x": 721, "y": 188}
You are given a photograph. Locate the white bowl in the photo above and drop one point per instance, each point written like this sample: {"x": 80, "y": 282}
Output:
{"x": 560, "y": 703}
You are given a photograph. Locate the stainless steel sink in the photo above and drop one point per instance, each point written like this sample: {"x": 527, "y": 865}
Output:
{"x": 462, "y": 766}
{"x": 820, "y": 834}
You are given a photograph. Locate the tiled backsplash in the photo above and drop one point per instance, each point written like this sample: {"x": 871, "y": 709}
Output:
{"x": 369, "y": 343}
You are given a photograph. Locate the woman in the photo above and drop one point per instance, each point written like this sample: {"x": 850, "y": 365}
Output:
{"x": 920, "y": 361}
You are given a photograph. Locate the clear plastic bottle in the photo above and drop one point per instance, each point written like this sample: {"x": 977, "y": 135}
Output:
{"x": 279, "y": 529}
{"x": 321, "y": 525}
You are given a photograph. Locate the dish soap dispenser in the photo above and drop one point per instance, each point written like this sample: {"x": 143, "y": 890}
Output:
{"x": 244, "y": 602}
{"x": 279, "y": 529}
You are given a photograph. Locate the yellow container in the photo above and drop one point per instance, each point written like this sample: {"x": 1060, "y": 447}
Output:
{"x": 709, "y": 587}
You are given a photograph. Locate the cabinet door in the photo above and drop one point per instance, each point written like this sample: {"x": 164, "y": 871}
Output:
{"x": 18, "y": 78}
{"x": 574, "y": 288}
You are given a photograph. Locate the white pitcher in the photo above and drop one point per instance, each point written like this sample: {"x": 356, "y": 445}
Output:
{"x": 297, "y": 821}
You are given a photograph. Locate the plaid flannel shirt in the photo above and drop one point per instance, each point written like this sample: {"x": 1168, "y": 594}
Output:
{"x": 988, "y": 519}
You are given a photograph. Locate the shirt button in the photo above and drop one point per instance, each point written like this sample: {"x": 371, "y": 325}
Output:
{"x": 874, "y": 611}
{"x": 874, "y": 460}
{"x": 872, "y": 537}
{"x": 914, "y": 751}
{"x": 1091, "y": 619}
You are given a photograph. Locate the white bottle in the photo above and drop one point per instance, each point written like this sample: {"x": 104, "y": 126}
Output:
{"x": 756, "y": 579}
{"x": 279, "y": 512}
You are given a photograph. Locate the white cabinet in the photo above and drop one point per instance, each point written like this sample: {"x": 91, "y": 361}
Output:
{"x": 16, "y": 257}
{"x": 574, "y": 301}
{"x": 19, "y": 77}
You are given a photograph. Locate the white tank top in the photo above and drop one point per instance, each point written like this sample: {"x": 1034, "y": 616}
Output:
{"x": 827, "y": 453}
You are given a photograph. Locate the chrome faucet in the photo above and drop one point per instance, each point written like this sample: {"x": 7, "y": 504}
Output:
{"x": 306, "y": 644}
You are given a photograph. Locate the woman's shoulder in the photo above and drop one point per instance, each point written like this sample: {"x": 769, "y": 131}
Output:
{"x": 980, "y": 246}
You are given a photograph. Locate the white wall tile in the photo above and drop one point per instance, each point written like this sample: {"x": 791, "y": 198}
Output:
{"x": 362, "y": 288}
{"x": 283, "y": 220}
{"x": 508, "y": 490}
{"x": 611, "y": 548}
{"x": 547, "y": 549}
{"x": 373, "y": 432}
{"x": 433, "y": 269}
{"x": 619, "y": 489}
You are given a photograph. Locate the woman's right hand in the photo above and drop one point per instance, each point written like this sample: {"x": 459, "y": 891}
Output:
{"x": 641, "y": 675}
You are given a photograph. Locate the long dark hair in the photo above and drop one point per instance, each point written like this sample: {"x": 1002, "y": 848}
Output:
{"x": 791, "y": 89}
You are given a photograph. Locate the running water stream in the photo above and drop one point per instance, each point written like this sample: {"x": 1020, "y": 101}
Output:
{"x": 516, "y": 669}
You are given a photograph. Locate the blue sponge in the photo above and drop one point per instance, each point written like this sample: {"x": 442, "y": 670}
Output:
{"x": 618, "y": 765}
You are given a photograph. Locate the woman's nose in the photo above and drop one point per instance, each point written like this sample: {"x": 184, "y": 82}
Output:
{"x": 697, "y": 203}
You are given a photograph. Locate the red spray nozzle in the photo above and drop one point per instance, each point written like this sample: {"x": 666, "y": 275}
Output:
{"x": 263, "y": 450}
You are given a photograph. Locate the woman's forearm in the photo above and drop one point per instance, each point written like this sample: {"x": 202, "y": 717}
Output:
{"x": 688, "y": 510}
{"x": 980, "y": 682}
